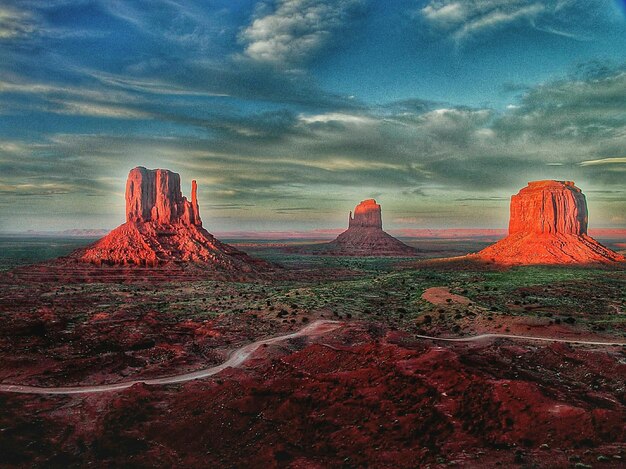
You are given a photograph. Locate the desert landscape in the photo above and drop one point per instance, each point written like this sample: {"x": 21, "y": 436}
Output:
{"x": 291, "y": 359}
{"x": 311, "y": 234}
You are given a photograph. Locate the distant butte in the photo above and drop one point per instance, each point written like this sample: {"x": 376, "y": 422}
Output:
{"x": 163, "y": 227}
{"x": 365, "y": 235}
{"x": 548, "y": 225}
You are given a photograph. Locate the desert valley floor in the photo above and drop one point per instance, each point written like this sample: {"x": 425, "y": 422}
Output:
{"x": 355, "y": 382}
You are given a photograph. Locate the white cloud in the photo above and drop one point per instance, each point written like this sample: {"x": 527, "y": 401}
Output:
{"x": 465, "y": 19}
{"x": 294, "y": 30}
{"x": 335, "y": 117}
{"x": 603, "y": 161}
{"x": 470, "y": 16}
{"x": 46, "y": 90}
{"x": 14, "y": 23}
{"x": 445, "y": 122}
{"x": 101, "y": 110}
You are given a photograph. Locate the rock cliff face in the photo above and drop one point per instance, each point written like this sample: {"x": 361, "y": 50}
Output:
{"x": 164, "y": 227}
{"x": 365, "y": 236}
{"x": 549, "y": 207}
{"x": 548, "y": 225}
{"x": 155, "y": 195}
{"x": 367, "y": 215}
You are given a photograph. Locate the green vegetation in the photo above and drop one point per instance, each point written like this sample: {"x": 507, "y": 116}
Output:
{"x": 378, "y": 288}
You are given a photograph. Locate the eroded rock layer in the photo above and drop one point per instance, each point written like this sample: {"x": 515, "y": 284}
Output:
{"x": 548, "y": 225}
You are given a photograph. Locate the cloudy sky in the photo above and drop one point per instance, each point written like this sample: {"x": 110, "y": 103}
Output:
{"x": 289, "y": 112}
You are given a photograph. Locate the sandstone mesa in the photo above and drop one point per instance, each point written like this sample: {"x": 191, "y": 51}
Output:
{"x": 548, "y": 225}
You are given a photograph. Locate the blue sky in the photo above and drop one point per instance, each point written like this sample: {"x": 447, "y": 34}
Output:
{"x": 289, "y": 112}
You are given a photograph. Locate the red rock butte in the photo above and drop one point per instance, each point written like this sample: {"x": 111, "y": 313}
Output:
{"x": 366, "y": 215}
{"x": 548, "y": 225}
{"x": 155, "y": 196}
{"x": 163, "y": 227}
{"x": 365, "y": 235}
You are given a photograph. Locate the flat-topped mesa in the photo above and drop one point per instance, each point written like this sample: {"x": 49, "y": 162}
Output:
{"x": 548, "y": 225}
{"x": 544, "y": 207}
{"x": 154, "y": 195}
{"x": 367, "y": 215}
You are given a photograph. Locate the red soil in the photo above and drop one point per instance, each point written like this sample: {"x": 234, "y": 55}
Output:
{"x": 530, "y": 248}
{"x": 442, "y": 295}
{"x": 360, "y": 397}
{"x": 151, "y": 245}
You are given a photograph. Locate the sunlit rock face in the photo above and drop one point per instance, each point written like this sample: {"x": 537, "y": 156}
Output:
{"x": 548, "y": 225}
{"x": 155, "y": 195}
{"x": 161, "y": 227}
{"x": 556, "y": 207}
{"x": 365, "y": 235}
{"x": 367, "y": 214}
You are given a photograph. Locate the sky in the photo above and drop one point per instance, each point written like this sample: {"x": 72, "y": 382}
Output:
{"x": 290, "y": 112}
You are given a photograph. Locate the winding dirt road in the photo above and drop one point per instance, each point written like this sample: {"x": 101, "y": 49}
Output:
{"x": 476, "y": 338}
{"x": 236, "y": 358}
{"x": 240, "y": 355}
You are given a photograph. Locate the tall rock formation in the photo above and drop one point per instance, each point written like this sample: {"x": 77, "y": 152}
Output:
{"x": 549, "y": 207}
{"x": 155, "y": 195}
{"x": 162, "y": 227}
{"x": 365, "y": 236}
{"x": 548, "y": 225}
{"x": 366, "y": 215}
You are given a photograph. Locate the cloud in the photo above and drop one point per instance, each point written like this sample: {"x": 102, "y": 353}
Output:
{"x": 407, "y": 220}
{"x": 465, "y": 18}
{"x": 35, "y": 190}
{"x": 183, "y": 24}
{"x": 587, "y": 106}
{"x": 604, "y": 161}
{"x": 287, "y": 32}
{"x": 330, "y": 117}
{"x": 468, "y": 19}
{"x": 100, "y": 110}
{"x": 153, "y": 63}
{"x": 19, "y": 85}
{"x": 557, "y": 124}
{"x": 441, "y": 156}
{"x": 15, "y": 23}
{"x": 237, "y": 79}
{"x": 72, "y": 100}
{"x": 152, "y": 86}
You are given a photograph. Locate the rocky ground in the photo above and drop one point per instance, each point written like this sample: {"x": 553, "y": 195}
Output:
{"x": 370, "y": 393}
